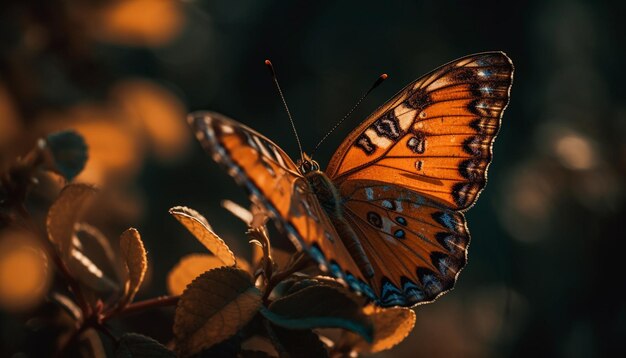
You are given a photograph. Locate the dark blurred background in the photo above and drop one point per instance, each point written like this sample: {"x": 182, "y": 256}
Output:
{"x": 545, "y": 271}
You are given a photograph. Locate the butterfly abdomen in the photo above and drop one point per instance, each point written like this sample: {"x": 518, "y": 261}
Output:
{"x": 330, "y": 200}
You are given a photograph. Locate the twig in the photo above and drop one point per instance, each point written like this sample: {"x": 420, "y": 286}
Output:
{"x": 161, "y": 301}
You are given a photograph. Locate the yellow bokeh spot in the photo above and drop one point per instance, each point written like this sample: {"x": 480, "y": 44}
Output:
{"x": 140, "y": 22}
{"x": 24, "y": 273}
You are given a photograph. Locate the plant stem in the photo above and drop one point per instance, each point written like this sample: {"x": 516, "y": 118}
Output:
{"x": 161, "y": 301}
{"x": 297, "y": 264}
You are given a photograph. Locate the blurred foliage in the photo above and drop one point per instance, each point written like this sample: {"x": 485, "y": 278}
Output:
{"x": 544, "y": 275}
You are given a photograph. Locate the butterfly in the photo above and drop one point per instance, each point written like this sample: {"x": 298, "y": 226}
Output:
{"x": 386, "y": 216}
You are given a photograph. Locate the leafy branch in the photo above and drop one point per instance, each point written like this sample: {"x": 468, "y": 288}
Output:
{"x": 223, "y": 302}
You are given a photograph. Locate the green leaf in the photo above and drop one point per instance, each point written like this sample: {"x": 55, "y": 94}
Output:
{"x": 213, "y": 308}
{"x": 133, "y": 345}
{"x": 200, "y": 228}
{"x": 296, "y": 343}
{"x": 65, "y": 212}
{"x": 320, "y": 307}
{"x": 134, "y": 257}
{"x": 69, "y": 152}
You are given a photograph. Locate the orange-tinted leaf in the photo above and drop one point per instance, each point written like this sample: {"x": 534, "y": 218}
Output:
{"x": 254, "y": 218}
{"x": 88, "y": 273}
{"x": 134, "y": 256}
{"x": 391, "y": 326}
{"x": 94, "y": 244}
{"x": 65, "y": 213}
{"x": 320, "y": 306}
{"x": 187, "y": 269}
{"x": 244, "y": 265}
{"x": 200, "y": 228}
{"x": 214, "y": 307}
{"x": 192, "y": 266}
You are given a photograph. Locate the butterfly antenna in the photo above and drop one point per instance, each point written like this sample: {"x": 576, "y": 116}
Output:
{"x": 282, "y": 97}
{"x": 379, "y": 80}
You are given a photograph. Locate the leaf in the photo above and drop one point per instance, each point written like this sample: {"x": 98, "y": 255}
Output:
{"x": 187, "y": 269}
{"x": 134, "y": 257}
{"x": 296, "y": 343}
{"x": 69, "y": 152}
{"x": 93, "y": 243}
{"x": 65, "y": 212}
{"x": 88, "y": 273}
{"x": 239, "y": 211}
{"x": 192, "y": 266}
{"x": 200, "y": 228}
{"x": 90, "y": 345}
{"x": 320, "y": 307}
{"x": 298, "y": 282}
{"x": 67, "y": 304}
{"x": 254, "y": 218}
{"x": 133, "y": 345}
{"x": 214, "y": 307}
{"x": 91, "y": 250}
{"x": 391, "y": 326}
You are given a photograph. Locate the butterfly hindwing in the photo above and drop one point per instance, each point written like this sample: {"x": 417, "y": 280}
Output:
{"x": 435, "y": 135}
{"x": 416, "y": 246}
{"x": 274, "y": 182}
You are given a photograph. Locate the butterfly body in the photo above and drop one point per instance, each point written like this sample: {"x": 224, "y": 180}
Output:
{"x": 331, "y": 202}
{"x": 386, "y": 215}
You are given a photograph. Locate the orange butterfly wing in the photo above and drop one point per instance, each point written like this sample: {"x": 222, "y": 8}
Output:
{"x": 406, "y": 173}
{"x": 416, "y": 246}
{"x": 273, "y": 180}
{"x": 435, "y": 135}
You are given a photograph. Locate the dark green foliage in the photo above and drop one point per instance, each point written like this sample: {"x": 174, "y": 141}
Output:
{"x": 133, "y": 345}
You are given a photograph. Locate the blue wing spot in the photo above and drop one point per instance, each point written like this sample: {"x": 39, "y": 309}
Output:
{"x": 411, "y": 291}
{"x": 316, "y": 253}
{"x": 335, "y": 270}
{"x": 367, "y": 290}
{"x": 387, "y": 204}
{"x": 352, "y": 282}
{"x": 399, "y": 234}
{"x": 432, "y": 285}
{"x": 400, "y": 220}
{"x": 390, "y": 294}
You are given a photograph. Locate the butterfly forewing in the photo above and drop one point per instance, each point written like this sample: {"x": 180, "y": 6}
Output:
{"x": 273, "y": 181}
{"x": 435, "y": 135}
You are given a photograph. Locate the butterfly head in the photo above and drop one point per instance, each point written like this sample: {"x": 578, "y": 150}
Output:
{"x": 307, "y": 164}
